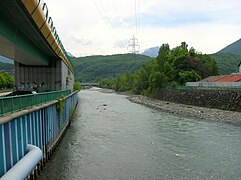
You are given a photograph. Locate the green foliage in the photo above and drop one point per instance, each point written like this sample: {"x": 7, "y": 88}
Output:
{"x": 157, "y": 79}
{"x": 229, "y": 58}
{"x": 227, "y": 63}
{"x": 93, "y": 68}
{"x": 77, "y": 86}
{"x": 188, "y": 76}
{"x": 106, "y": 83}
{"x": 171, "y": 67}
{"x": 6, "y": 80}
{"x": 60, "y": 105}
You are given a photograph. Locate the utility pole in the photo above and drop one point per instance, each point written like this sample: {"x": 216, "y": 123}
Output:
{"x": 133, "y": 43}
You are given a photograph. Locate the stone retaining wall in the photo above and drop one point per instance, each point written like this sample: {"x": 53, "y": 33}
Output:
{"x": 220, "y": 99}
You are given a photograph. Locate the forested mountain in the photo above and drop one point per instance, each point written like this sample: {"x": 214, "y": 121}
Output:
{"x": 70, "y": 55}
{"x": 229, "y": 57}
{"x": 6, "y": 67}
{"x": 92, "y": 68}
{"x": 227, "y": 62}
{"x": 151, "y": 52}
{"x": 234, "y": 48}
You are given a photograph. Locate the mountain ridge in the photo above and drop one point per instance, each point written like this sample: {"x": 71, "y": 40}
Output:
{"x": 151, "y": 52}
{"x": 92, "y": 68}
{"x": 233, "y": 48}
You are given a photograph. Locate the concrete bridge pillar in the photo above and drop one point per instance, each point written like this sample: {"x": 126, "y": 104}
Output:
{"x": 54, "y": 77}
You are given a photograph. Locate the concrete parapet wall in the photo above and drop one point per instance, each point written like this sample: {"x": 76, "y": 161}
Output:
{"x": 220, "y": 99}
{"x": 41, "y": 126}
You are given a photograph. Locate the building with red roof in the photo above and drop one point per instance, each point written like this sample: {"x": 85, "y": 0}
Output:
{"x": 212, "y": 78}
{"x": 232, "y": 80}
{"x": 229, "y": 78}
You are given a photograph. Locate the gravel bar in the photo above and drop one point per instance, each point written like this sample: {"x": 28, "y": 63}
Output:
{"x": 200, "y": 113}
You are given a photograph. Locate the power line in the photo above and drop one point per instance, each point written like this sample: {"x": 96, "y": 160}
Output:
{"x": 136, "y": 17}
{"x": 118, "y": 16}
{"x": 103, "y": 15}
{"x": 139, "y": 12}
{"x": 133, "y": 42}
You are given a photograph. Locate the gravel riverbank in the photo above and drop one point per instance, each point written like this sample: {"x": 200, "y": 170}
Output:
{"x": 189, "y": 111}
{"x": 200, "y": 113}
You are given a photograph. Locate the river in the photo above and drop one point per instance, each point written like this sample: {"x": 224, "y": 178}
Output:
{"x": 113, "y": 138}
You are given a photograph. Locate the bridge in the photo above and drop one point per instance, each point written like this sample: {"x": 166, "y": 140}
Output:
{"x": 32, "y": 125}
{"x": 28, "y": 36}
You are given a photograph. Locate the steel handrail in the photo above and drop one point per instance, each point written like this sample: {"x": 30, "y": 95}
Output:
{"x": 16, "y": 103}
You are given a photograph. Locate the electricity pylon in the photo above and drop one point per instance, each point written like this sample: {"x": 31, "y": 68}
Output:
{"x": 133, "y": 43}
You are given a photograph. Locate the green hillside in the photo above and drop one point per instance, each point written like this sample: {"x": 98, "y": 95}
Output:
{"x": 227, "y": 62}
{"x": 229, "y": 57}
{"x": 91, "y": 68}
{"x": 234, "y": 48}
{"x": 6, "y": 67}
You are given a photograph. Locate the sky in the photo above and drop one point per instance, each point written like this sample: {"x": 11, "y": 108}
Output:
{"x": 104, "y": 27}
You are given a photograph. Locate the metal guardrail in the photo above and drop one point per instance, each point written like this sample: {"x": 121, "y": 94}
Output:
{"x": 42, "y": 128}
{"x": 26, "y": 165}
{"x": 17, "y": 103}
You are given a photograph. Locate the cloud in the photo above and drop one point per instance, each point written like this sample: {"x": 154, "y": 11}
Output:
{"x": 121, "y": 43}
{"x": 78, "y": 39}
{"x": 179, "y": 12}
{"x": 104, "y": 26}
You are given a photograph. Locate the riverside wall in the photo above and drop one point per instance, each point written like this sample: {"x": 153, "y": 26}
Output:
{"x": 220, "y": 99}
{"x": 41, "y": 126}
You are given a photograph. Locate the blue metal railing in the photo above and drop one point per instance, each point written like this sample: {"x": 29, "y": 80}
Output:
{"x": 41, "y": 128}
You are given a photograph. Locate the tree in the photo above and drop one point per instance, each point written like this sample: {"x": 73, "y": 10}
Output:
{"x": 171, "y": 67}
{"x": 188, "y": 76}
{"x": 157, "y": 80}
{"x": 163, "y": 55}
{"x": 6, "y": 80}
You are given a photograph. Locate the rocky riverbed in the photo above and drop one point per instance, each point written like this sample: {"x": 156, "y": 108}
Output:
{"x": 200, "y": 113}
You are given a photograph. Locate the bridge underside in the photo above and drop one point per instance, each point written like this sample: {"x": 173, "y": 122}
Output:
{"x": 11, "y": 51}
{"x": 37, "y": 66}
{"x": 20, "y": 38}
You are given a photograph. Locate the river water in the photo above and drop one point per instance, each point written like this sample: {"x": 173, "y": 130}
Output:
{"x": 113, "y": 138}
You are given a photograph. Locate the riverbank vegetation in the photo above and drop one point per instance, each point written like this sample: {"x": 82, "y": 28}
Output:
{"x": 172, "y": 67}
{"x": 77, "y": 86}
{"x": 6, "y": 80}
